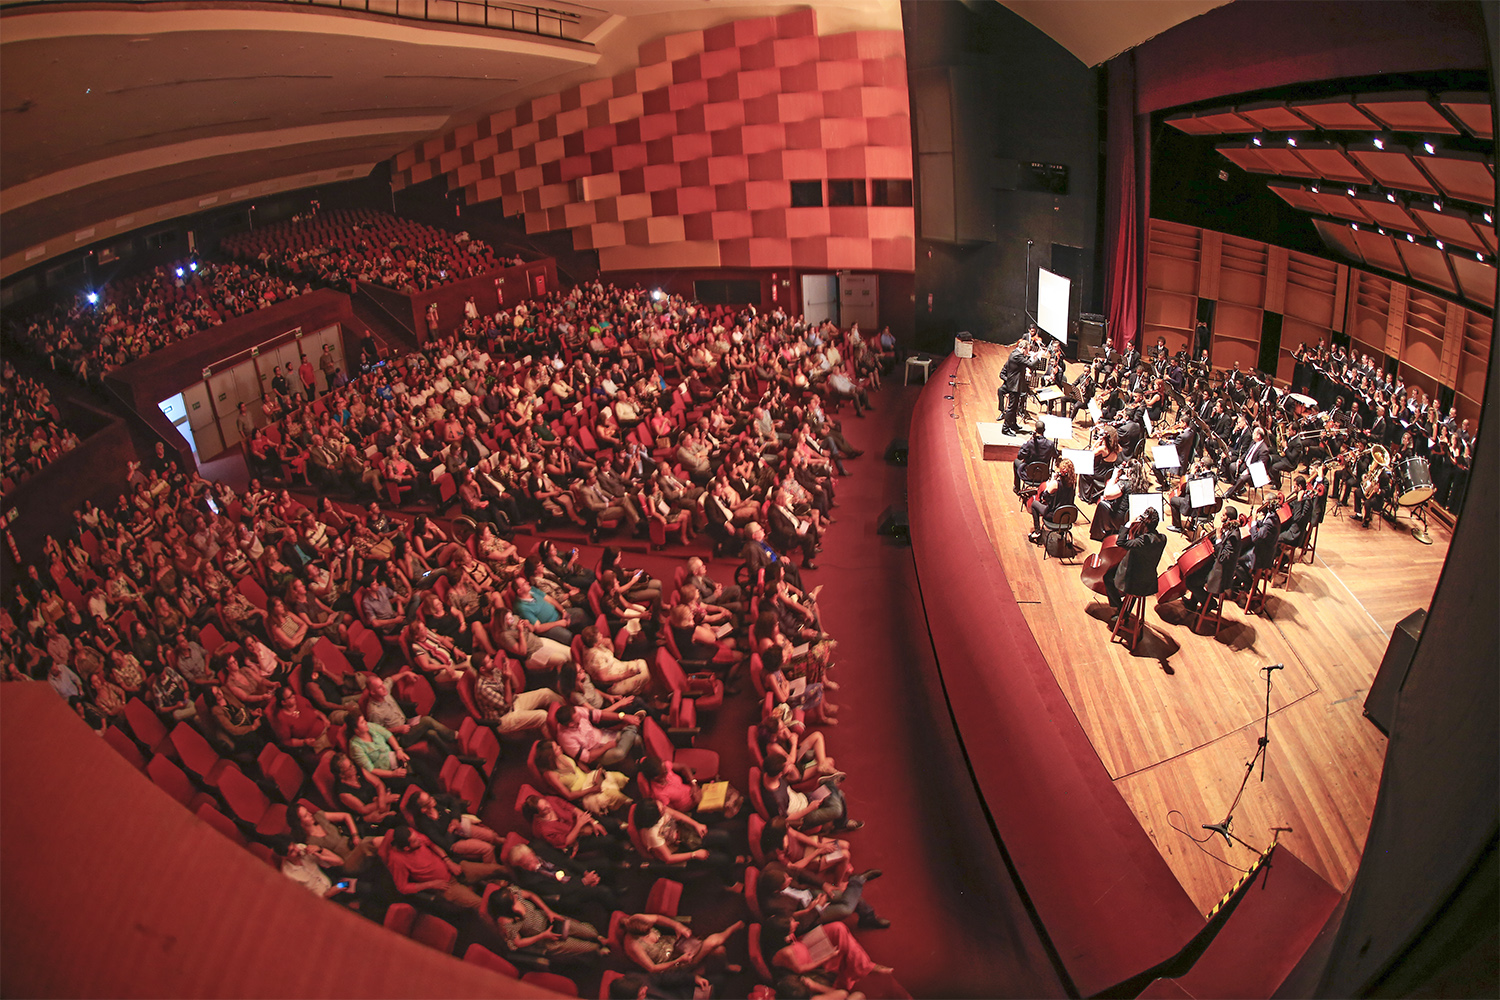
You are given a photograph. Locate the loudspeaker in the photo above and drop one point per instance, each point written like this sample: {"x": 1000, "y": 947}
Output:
{"x": 893, "y": 522}
{"x": 1385, "y": 689}
{"x": 897, "y": 452}
{"x": 1089, "y": 334}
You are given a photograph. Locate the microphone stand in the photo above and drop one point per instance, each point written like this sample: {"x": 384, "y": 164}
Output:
{"x": 1262, "y": 751}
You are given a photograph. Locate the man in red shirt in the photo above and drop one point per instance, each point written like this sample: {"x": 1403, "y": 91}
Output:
{"x": 417, "y": 865}
{"x": 309, "y": 378}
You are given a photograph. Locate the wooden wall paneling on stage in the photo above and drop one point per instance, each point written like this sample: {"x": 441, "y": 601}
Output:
{"x": 1180, "y": 739}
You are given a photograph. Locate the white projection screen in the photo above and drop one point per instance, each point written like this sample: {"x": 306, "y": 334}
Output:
{"x": 1052, "y": 303}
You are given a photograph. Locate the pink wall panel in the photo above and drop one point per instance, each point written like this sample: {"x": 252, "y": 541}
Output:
{"x": 465, "y": 134}
{"x": 849, "y": 221}
{"x": 450, "y": 161}
{"x": 731, "y": 197}
{"x": 756, "y": 253}
{"x": 802, "y": 21}
{"x": 850, "y": 252}
{"x": 673, "y": 256}
{"x": 894, "y": 130}
{"x": 862, "y": 45}
{"x": 895, "y": 254}
{"x": 658, "y": 229}
{"x": 593, "y": 91}
{"x": 802, "y": 222}
{"x": 671, "y": 47}
{"x": 696, "y": 199}
{"x": 502, "y": 121}
{"x": 642, "y": 79}
{"x": 574, "y": 167}
{"x": 771, "y": 222}
{"x": 600, "y": 234}
{"x": 406, "y": 159}
{"x": 580, "y": 213}
{"x": 719, "y": 226}
{"x": 719, "y": 115}
{"x": 524, "y": 135}
{"x": 661, "y": 176}
{"x": 657, "y": 126}
{"x": 547, "y": 104}
{"x": 827, "y": 133}
{"x": 549, "y": 150}
{"x": 598, "y": 186}
{"x": 811, "y": 252}
{"x": 737, "y": 34}
{"x": 467, "y": 174}
{"x": 486, "y": 148}
{"x": 767, "y": 194}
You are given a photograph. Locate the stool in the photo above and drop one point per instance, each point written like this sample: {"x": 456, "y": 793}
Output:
{"x": 925, "y": 364}
{"x": 1255, "y": 597}
{"x": 1205, "y": 615}
{"x": 1127, "y": 627}
{"x": 1287, "y": 556}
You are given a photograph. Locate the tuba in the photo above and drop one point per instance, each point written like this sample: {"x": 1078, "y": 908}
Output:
{"x": 1380, "y": 459}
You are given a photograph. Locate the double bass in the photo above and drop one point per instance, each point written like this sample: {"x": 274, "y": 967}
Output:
{"x": 1099, "y": 565}
{"x": 1172, "y": 583}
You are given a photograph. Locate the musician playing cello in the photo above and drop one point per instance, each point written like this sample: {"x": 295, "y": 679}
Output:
{"x": 1215, "y": 576}
{"x": 1136, "y": 574}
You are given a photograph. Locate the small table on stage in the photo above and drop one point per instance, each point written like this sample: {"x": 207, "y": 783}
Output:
{"x": 993, "y": 437}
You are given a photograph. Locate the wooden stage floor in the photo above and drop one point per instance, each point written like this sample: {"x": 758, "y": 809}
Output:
{"x": 1175, "y": 722}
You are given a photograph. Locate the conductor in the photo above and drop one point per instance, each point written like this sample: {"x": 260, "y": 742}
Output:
{"x": 1028, "y": 354}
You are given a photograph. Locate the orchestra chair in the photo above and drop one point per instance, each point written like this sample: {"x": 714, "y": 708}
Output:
{"x": 1255, "y": 597}
{"x": 1032, "y": 478}
{"x": 1287, "y": 556}
{"x": 1129, "y": 622}
{"x": 1211, "y": 611}
{"x": 1058, "y": 529}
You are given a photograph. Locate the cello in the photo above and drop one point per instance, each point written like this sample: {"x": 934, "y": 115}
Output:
{"x": 1097, "y": 566}
{"x": 1172, "y": 583}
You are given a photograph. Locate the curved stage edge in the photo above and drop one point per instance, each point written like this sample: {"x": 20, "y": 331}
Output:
{"x": 1107, "y": 900}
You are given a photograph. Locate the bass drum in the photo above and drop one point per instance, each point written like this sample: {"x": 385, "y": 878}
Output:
{"x": 1415, "y": 478}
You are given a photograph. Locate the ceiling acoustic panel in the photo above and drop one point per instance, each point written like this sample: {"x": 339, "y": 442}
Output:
{"x": 1224, "y": 120}
{"x": 1273, "y": 116}
{"x": 1379, "y": 251}
{"x": 1472, "y": 110}
{"x": 1329, "y": 161}
{"x": 1466, "y": 176}
{"x": 1246, "y": 156}
{"x": 1427, "y": 264}
{"x": 1451, "y": 226}
{"x": 1338, "y": 236}
{"x": 1477, "y": 280}
{"x": 1387, "y": 213}
{"x": 1283, "y": 161}
{"x": 1294, "y": 195}
{"x": 1406, "y": 111}
{"x": 1191, "y": 124}
{"x": 1335, "y": 114}
{"x": 1337, "y": 202}
{"x": 1392, "y": 166}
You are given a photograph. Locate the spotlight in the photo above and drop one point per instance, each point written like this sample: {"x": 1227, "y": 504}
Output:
{"x": 1255, "y": 139}
{"x": 657, "y": 295}
{"x": 1437, "y": 205}
{"x": 1410, "y": 238}
{"x": 1291, "y": 140}
{"x": 1379, "y": 142}
{"x": 1380, "y": 230}
{"x": 1390, "y": 197}
{"x": 1351, "y": 192}
{"x": 1315, "y": 188}
{"x": 193, "y": 266}
{"x": 1354, "y": 226}
{"x": 93, "y": 298}
{"x": 1479, "y": 257}
{"x": 179, "y": 272}
{"x": 1439, "y": 244}
{"x": 1429, "y": 147}
{"x": 1489, "y": 218}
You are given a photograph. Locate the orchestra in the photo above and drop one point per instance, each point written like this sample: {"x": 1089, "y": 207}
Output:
{"x": 1344, "y": 430}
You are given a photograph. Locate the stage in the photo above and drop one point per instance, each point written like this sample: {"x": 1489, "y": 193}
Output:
{"x": 1168, "y": 728}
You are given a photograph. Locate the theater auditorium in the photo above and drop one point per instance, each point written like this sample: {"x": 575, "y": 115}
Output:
{"x": 945, "y": 498}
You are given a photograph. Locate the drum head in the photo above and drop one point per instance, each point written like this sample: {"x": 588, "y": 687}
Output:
{"x": 1415, "y": 476}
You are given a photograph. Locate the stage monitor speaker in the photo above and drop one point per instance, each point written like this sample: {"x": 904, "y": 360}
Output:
{"x": 1090, "y": 335}
{"x": 897, "y": 452}
{"x": 893, "y": 522}
{"x": 1385, "y": 690}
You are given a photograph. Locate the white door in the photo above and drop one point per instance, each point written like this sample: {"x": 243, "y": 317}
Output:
{"x": 820, "y": 298}
{"x": 200, "y": 417}
{"x": 859, "y": 301}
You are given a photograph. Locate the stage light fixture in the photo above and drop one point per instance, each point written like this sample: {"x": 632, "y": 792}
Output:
{"x": 1429, "y": 147}
{"x": 1479, "y": 257}
{"x": 1291, "y": 140}
{"x": 1437, "y": 204}
{"x": 1379, "y": 142}
{"x": 1439, "y": 244}
{"x": 193, "y": 266}
{"x": 93, "y": 298}
{"x": 1255, "y": 139}
{"x": 1410, "y": 238}
{"x": 1390, "y": 197}
{"x": 1315, "y": 189}
{"x": 1350, "y": 191}
{"x": 179, "y": 272}
{"x": 1380, "y": 230}
{"x": 1489, "y": 218}
{"x": 1354, "y": 226}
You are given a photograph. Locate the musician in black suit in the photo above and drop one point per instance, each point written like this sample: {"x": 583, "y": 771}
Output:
{"x": 1027, "y": 355}
{"x": 1037, "y": 448}
{"x": 1136, "y": 574}
{"x": 1261, "y": 552}
{"x": 1214, "y": 576}
{"x": 1257, "y": 451}
{"x": 1304, "y": 504}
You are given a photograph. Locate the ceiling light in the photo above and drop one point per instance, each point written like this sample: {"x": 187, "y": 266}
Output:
{"x": 1410, "y": 238}
{"x": 1315, "y": 188}
{"x": 1437, "y": 205}
{"x": 1351, "y": 192}
{"x": 1380, "y": 230}
{"x": 1479, "y": 257}
{"x": 1429, "y": 147}
{"x": 1379, "y": 142}
{"x": 1390, "y": 197}
{"x": 1255, "y": 139}
{"x": 93, "y": 297}
{"x": 1489, "y": 218}
{"x": 1291, "y": 140}
{"x": 1439, "y": 244}
{"x": 1354, "y": 226}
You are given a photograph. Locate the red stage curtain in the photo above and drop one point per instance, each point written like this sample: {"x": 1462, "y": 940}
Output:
{"x": 1122, "y": 211}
